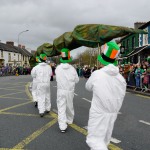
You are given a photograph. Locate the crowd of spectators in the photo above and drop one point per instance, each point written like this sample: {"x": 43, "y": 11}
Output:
{"x": 137, "y": 75}
{"x": 14, "y": 70}
{"x": 85, "y": 71}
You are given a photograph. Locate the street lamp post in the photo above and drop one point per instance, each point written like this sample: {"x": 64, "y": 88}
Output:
{"x": 18, "y": 41}
{"x": 20, "y": 34}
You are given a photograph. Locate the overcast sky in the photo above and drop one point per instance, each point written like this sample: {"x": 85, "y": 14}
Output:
{"x": 48, "y": 19}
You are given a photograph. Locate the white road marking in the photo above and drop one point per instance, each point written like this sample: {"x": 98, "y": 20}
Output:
{"x": 75, "y": 94}
{"x": 86, "y": 100}
{"x": 119, "y": 113}
{"x": 54, "y": 86}
{"x": 85, "y": 127}
{"x": 142, "y": 121}
{"x": 115, "y": 140}
{"x": 55, "y": 110}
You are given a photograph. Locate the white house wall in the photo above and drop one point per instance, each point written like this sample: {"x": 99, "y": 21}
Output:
{"x": 14, "y": 58}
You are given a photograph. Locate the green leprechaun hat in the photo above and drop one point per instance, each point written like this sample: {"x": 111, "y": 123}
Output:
{"x": 43, "y": 57}
{"x": 38, "y": 59}
{"x": 110, "y": 52}
{"x": 65, "y": 56}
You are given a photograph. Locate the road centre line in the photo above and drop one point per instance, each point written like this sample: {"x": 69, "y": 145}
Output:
{"x": 85, "y": 127}
{"x": 142, "y": 121}
{"x": 15, "y": 106}
{"x": 86, "y": 100}
{"x": 55, "y": 110}
{"x": 84, "y": 132}
{"x": 75, "y": 94}
{"x": 34, "y": 135}
{"x": 114, "y": 140}
{"x": 90, "y": 102}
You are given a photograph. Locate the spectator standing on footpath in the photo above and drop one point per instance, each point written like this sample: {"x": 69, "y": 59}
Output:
{"x": 138, "y": 74}
{"x": 109, "y": 88}
{"x": 42, "y": 72}
{"x": 66, "y": 78}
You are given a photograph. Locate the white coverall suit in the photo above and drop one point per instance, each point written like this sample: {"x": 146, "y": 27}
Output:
{"x": 66, "y": 77}
{"x": 109, "y": 88}
{"x": 34, "y": 90}
{"x": 42, "y": 73}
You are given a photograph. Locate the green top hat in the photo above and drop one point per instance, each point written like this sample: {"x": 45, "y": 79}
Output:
{"x": 43, "y": 57}
{"x": 110, "y": 52}
{"x": 65, "y": 56}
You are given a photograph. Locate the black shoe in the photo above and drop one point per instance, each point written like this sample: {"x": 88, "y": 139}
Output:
{"x": 63, "y": 131}
{"x": 35, "y": 104}
{"x": 41, "y": 115}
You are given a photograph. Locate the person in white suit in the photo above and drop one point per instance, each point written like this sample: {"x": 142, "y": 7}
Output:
{"x": 109, "y": 88}
{"x": 34, "y": 85}
{"x": 66, "y": 77}
{"x": 42, "y": 72}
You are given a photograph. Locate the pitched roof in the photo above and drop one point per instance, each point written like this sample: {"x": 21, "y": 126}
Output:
{"x": 15, "y": 49}
{"x": 141, "y": 27}
{"x": 144, "y": 25}
{"x": 6, "y": 47}
{"x": 23, "y": 51}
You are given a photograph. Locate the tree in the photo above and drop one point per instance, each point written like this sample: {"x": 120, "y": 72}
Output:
{"x": 89, "y": 57}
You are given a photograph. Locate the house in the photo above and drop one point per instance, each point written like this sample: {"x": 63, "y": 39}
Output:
{"x": 137, "y": 46}
{"x": 12, "y": 55}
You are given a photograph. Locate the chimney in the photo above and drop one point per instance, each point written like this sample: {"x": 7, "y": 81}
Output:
{"x": 23, "y": 46}
{"x": 138, "y": 24}
{"x": 19, "y": 45}
{"x": 10, "y": 43}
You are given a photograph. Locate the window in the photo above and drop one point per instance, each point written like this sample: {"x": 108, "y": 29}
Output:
{"x": 1, "y": 53}
{"x": 145, "y": 39}
{"x": 9, "y": 56}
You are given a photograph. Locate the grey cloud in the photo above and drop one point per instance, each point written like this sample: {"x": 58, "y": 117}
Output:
{"x": 48, "y": 19}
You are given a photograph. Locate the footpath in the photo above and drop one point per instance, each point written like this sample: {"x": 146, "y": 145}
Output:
{"x": 138, "y": 91}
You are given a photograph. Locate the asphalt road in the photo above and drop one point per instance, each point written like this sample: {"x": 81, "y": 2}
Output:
{"x": 22, "y": 128}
